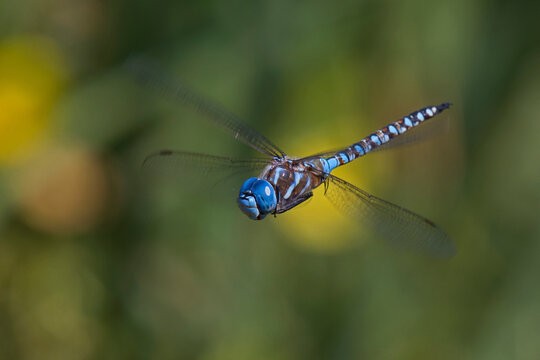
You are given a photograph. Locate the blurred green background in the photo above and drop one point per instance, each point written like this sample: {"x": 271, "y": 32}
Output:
{"x": 98, "y": 263}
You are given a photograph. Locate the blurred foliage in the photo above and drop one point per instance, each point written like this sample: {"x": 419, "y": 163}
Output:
{"x": 98, "y": 261}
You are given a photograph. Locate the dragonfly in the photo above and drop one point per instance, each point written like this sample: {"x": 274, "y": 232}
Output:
{"x": 284, "y": 182}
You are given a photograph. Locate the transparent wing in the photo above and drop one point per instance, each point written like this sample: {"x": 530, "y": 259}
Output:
{"x": 189, "y": 161}
{"x": 152, "y": 75}
{"x": 394, "y": 223}
{"x": 195, "y": 169}
{"x": 429, "y": 130}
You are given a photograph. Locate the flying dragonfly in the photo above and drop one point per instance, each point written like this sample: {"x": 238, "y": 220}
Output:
{"x": 284, "y": 182}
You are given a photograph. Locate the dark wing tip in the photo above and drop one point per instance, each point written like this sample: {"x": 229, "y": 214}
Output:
{"x": 151, "y": 156}
{"x": 430, "y": 223}
{"x": 442, "y": 247}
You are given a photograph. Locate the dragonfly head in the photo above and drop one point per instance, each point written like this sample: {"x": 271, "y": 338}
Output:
{"x": 257, "y": 198}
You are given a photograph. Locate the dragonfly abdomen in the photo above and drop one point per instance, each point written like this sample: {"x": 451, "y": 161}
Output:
{"x": 384, "y": 135}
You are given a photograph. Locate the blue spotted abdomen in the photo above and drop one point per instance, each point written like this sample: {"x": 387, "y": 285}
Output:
{"x": 384, "y": 135}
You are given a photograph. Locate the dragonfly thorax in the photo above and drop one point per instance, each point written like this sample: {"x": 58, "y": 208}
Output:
{"x": 257, "y": 198}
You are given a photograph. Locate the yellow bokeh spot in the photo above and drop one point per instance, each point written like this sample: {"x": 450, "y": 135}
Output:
{"x": 317, "y": 225}
{"x": 32, "y": 76}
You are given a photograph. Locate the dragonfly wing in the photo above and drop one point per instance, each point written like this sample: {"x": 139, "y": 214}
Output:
{"x": 200, "y": 169}
{"x": 394, "y": 223}
{"x": 152, "y": 75}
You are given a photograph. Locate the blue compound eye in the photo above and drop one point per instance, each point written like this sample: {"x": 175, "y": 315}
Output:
{"x": 265, "y": 195}
{"x": 246, "y": 187}
{"x": 248, "y": 205}
{"x": 257, "y": 198}
{"x": 246, "y": 200}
